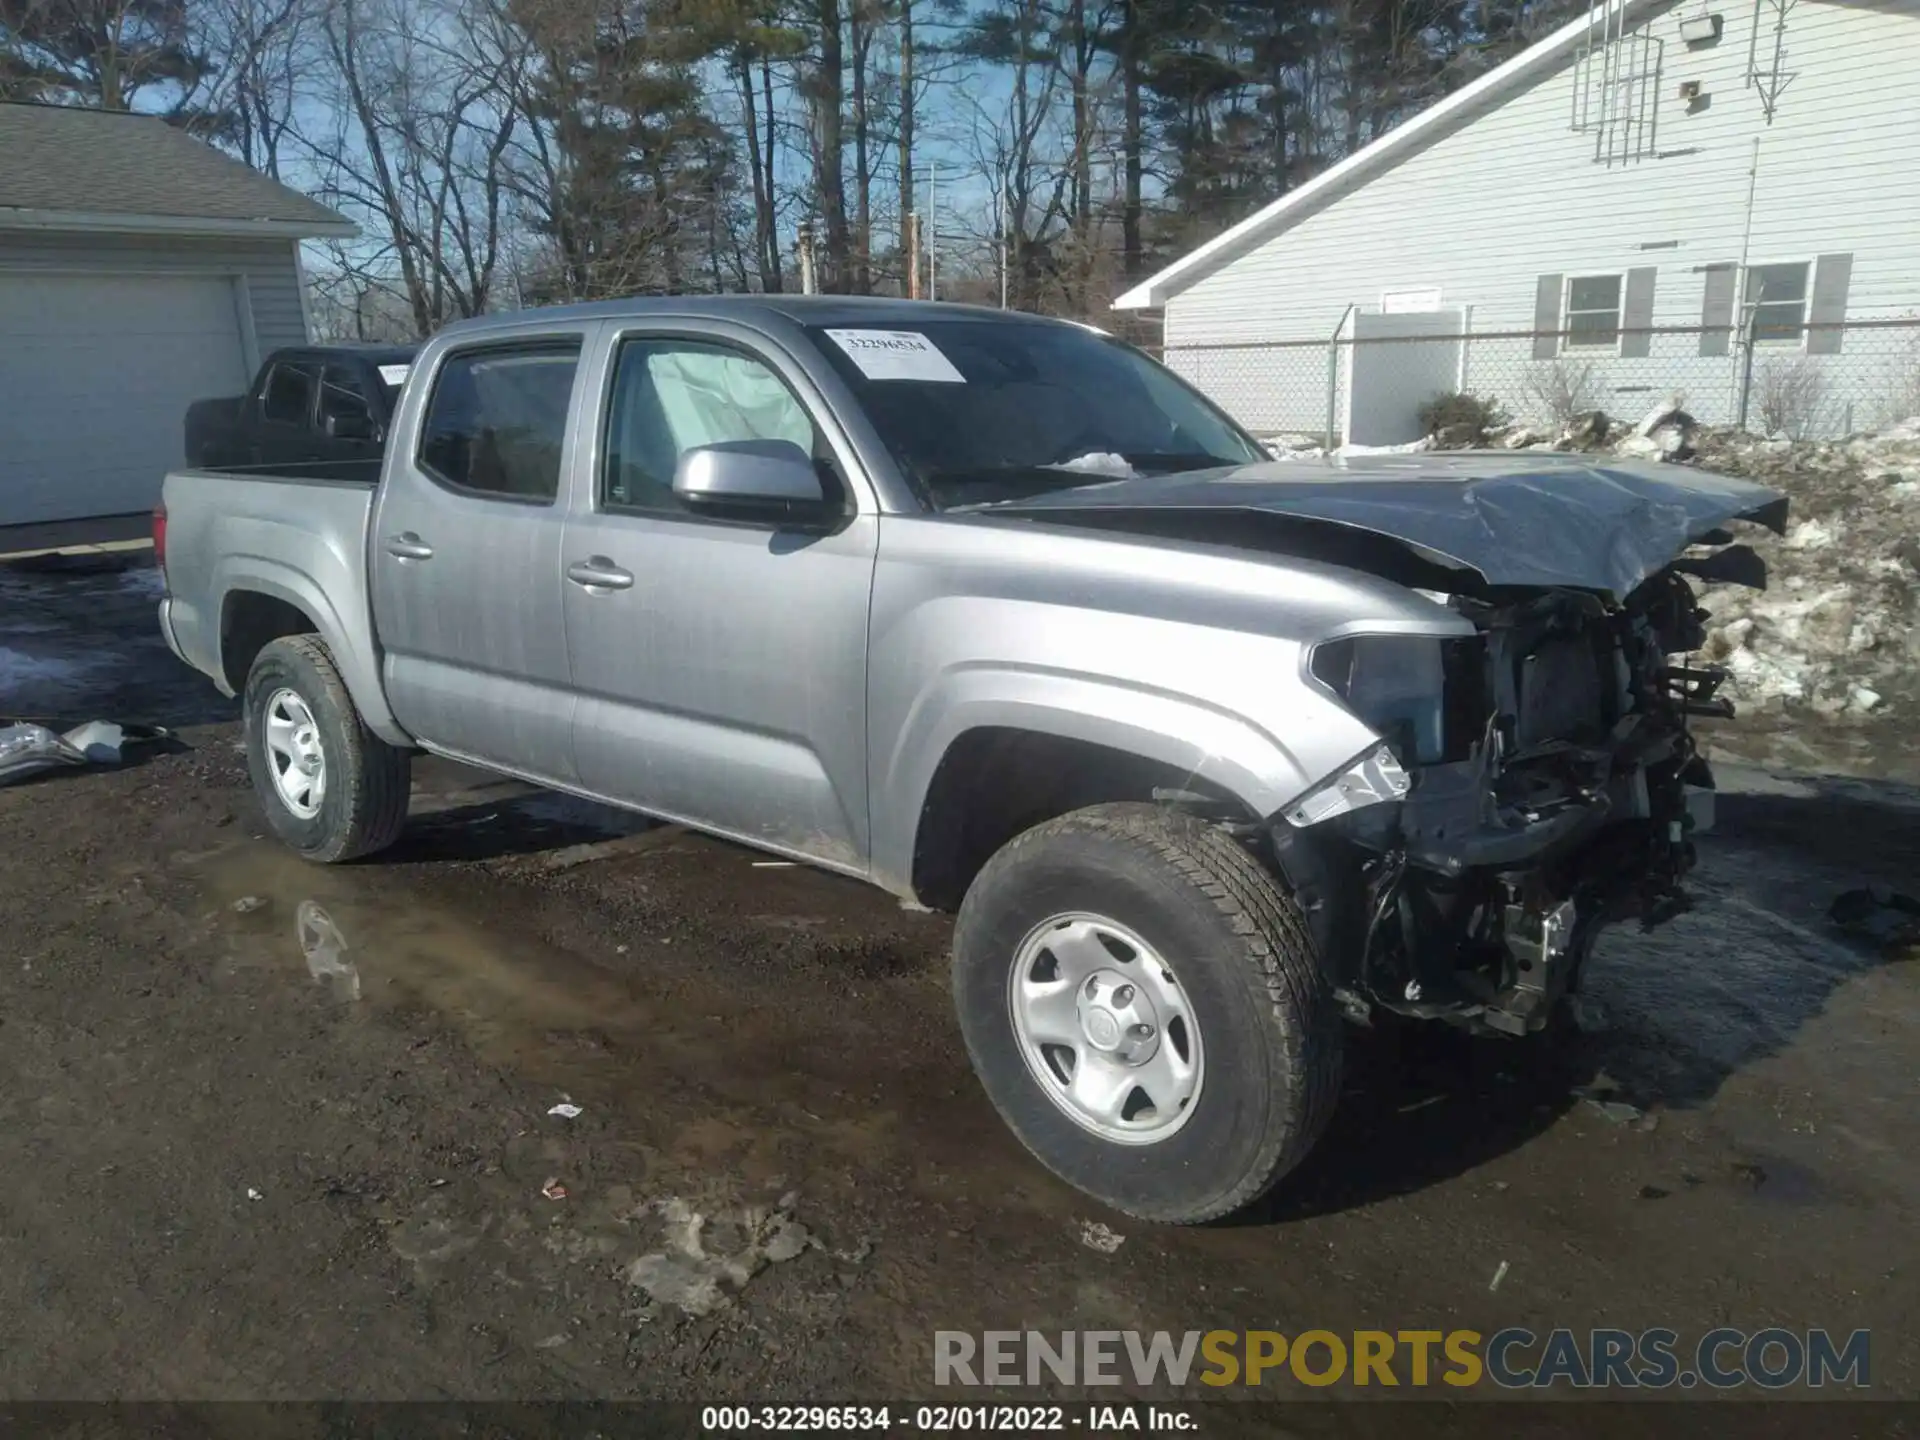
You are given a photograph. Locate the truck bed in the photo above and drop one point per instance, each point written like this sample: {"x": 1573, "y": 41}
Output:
{"x": 297, "y": 533}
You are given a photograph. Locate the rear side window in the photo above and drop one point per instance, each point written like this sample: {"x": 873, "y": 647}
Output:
{"x": 497, "y": 420}
{"x": 289, "y": 394}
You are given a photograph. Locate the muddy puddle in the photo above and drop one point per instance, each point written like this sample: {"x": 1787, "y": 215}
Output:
{"x": 717, "y": 1019}
{"x": 694, "y": 1058}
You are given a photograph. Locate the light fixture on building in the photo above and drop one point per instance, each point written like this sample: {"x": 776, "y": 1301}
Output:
{"x": 1700, "y": 29}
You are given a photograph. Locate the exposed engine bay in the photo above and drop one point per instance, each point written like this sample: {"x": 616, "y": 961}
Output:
{"x": 1551, "y": 788}
{"x": 1536, "y": 780}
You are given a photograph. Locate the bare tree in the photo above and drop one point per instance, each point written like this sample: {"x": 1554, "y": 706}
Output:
{"x": 1791, "y": 393}
{"x": 1562, "y": 389}
{"x": 422, "y": 116}
{"x": 1020, "y": 144}
{"x": 258, "y": 52}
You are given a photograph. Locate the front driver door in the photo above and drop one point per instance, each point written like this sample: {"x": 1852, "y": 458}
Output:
{"x": 348, "y": 431}
{"x": 721, "y": 666}
{"x": 284, "y": 433}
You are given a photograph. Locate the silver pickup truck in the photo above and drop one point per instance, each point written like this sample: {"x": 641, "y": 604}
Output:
{"x": 1212, "y": 753}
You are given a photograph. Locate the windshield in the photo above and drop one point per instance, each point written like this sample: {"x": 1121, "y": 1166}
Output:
{"x": 984, "y": 410}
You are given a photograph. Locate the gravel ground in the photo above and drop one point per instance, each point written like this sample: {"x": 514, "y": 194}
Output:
{"x": 272, "y": 1131}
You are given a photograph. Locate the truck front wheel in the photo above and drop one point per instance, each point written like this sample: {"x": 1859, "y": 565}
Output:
{"x": 1142, "y": 1003}
{"x": 331, "y": 789}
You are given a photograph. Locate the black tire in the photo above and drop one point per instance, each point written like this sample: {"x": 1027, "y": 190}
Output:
{"x": 364, "y": 805}
{"x": 1240, "y": 949}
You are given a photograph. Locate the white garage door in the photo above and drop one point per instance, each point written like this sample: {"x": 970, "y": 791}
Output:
{"x": 96, "y": 373}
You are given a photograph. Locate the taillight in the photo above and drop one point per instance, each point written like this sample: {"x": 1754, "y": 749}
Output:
{"x": 160, "y": 537}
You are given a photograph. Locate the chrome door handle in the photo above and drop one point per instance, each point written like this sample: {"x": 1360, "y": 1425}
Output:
{"x": 408, "y": 546}
{"x": 599, "y": 573}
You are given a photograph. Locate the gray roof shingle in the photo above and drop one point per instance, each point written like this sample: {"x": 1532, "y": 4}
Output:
{"x": 112, "y": 163}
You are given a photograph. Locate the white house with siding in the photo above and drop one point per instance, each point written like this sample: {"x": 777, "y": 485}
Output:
{"x": 1625, "y": 206}
{"x": 140, "y": 270}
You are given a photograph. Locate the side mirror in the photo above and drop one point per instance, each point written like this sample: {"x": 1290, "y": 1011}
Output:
{"x": 349, "y": 427}
{"x": 751, "y": 479}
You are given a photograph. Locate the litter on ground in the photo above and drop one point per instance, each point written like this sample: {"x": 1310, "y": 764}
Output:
{"x": 1096, "y": 1236}
{"x": 27, "y": 749}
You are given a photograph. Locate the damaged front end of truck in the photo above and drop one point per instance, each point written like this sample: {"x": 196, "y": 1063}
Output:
{"x": 1534, "y": 782}
{"x": 1466, "y": 864}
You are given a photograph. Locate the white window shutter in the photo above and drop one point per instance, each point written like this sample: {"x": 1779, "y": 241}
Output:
{"x": 1546, "y": 317}
{"x": 1716, "y": 309}
{"x": 1636, "y": 313}
{"x": 1828, "y": 307}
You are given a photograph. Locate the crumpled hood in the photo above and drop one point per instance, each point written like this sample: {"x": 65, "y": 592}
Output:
{"x": 1533, "y": 519}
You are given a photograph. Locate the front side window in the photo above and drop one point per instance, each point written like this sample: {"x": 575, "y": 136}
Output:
{"x": 982, "y": 410}
{"x": 1777, "y": 301}
{"x": 497, "y": 420}
{"x": 289, "y": 394}
{"x": 1593, "y": 312}
{"x": 672, "y": 396}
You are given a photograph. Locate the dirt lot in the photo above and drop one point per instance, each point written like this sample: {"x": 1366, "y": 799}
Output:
{"x": 276, "y": 1131}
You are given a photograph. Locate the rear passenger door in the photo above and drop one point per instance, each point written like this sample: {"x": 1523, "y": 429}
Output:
{"x": 466, "y": 558}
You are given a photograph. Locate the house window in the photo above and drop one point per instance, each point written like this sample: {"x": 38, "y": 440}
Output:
{"x": 1593, "y": 312}
{"x": 1777, "y": 299}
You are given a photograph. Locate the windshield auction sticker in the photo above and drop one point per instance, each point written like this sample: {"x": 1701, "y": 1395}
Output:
{"x": 896, "y": 355}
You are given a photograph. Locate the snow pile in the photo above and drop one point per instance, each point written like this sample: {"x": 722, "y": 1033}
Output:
{"x": 1834, "y": 632}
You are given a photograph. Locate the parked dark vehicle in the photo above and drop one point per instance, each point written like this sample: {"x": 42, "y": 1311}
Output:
{"x": 318, "y": 404}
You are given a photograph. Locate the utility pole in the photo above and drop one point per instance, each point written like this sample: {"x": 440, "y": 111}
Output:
{"x": 805, "y": 247}
{"x": 932, "y": 237}
{"x": 1006, "y": 253}
{"x": 907, "y": 245}
{"x": 913, "y": 255}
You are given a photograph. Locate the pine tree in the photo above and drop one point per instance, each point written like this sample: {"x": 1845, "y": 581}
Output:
{"x": 101, "y": 54}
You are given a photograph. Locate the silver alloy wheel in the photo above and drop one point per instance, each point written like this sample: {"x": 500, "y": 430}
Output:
{"x": 294, "y": 756}
{"x": 1105, "y": 1028}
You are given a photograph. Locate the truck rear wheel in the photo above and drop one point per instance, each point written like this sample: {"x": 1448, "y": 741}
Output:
{"x": 331, "y": 789}
{"x": 1142, "y": 1003}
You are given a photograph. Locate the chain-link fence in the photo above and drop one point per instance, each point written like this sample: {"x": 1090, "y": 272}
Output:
{"x": 1367, "y": 387}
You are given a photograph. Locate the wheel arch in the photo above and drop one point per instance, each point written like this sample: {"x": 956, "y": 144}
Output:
{"x": 1014, "y": 750}
{"x": 261, "y": 601}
